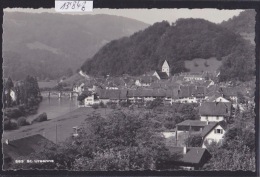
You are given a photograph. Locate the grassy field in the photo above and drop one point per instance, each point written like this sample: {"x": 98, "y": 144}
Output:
{"x": 198, "y": 64}
{"x": 63, "y": 123}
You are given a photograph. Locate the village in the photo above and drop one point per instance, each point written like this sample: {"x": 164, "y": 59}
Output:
{"x": 216, "y": 105}
{"x": 173, "y": 93}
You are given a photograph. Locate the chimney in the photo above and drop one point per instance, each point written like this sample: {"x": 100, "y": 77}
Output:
{"x": 207, "y": 122}
{"x": 7, "y": 141}
{"x": 184, "y": 150}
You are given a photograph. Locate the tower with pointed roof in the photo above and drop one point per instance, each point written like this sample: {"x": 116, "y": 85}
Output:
{"x": 166, "y": 67}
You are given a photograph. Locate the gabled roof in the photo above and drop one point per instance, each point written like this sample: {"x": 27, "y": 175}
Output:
{"x": 112, "y": 94}
{"x": 147, "y": 79}
{"x": 193, "y": 156}
{"x": 186, "y": 91}
{"x": 165, "y": 64}
{"x": 24, "y": 146}
{"x": 227, "y": 91}
{"x": 162, "y": 75}
{"x": 193, "y": 123}
{"x": 215, "y": 109}
{"x": 207, "y": 129}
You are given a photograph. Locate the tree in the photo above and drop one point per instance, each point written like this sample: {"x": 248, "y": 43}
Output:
{"x": 194, "y": 141}
{"x": 121, "y": 141}
{"x": 237, "y": 152}
{"x": 84, "y": 95}
{"x": 241, "y": 98}
{"x": 155, "y": 103}
{"x": 8, "y": 85}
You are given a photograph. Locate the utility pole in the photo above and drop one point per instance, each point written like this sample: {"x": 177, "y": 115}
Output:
{"x": 56, "y": 134}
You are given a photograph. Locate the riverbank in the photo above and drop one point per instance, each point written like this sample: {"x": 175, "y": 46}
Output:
{"x": 62, "y": 125}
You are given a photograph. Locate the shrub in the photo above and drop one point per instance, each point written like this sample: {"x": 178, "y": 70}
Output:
{"x": 155, "y": 103}
{"x": 21, "y": 121}
{"x": 111, "y": 105}
{"x": 42, "y": 117}
{"x": 194, "y": 141}
{"x": 123, "y": 104}
{"x": 102, "y": 105}
{"x": 10, "y": 125}
{"x": 95, "y": 106}
{"x": 13, "y": 113}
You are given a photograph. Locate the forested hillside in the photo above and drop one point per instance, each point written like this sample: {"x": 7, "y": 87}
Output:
{"x": 185, "y": 40}
{"x": 243, "y": 23}
{"x": 50, "y": 45}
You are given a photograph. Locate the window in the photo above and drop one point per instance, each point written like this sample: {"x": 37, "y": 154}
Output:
{"x": 218, "y": 131}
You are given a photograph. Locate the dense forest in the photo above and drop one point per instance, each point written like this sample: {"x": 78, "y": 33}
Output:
{"x": 49, "y": 45}
{"x": 184, "y": 40}
{"x": 244, "y": 23}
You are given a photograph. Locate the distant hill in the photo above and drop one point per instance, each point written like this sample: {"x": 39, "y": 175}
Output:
{"x": 243, "y": 24}
{"x": 50, "y": 45}
{"x": 187, "y": 39}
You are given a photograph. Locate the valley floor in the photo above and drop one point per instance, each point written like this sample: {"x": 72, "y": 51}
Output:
{"x": 64, "y": 124}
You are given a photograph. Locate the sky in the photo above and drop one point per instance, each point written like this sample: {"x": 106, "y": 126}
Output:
{"x": 151, "y": 16}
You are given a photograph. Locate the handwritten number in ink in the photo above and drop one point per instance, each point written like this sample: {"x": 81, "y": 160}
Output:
{"x": 74, "y": 3}
{"x": 78, "y": 4}
{"x": 83, "y": 6}
{"x": 63, "y": 6}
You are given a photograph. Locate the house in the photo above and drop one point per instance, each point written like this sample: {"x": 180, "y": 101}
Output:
{"x": 190, "y": 126}
{"x": 16, "y": 149}
{"x": 208, "y": 83}
{"x": 186, "y": 158}
{"x": 79, "y": 88}
{"x": 229, "y": 93}
{"x": 114, "y": 96}
{"x": 214, "y": 111}
{"x": 185, "y": 94}
{"x": 162, "y": 74}
{"x": 213, "y": 133}
{"x": 145, "y": 81}
{"x": 217, "y": 99}
{"x": 90, "y": 100}
{"x": 209, "y": 131}
{"x": 192, "y": 76}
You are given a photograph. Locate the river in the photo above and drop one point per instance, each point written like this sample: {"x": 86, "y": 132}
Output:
{"x": 55, "y": 107}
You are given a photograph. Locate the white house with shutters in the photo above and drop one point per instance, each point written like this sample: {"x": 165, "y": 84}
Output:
{"x": 214, "y": 133}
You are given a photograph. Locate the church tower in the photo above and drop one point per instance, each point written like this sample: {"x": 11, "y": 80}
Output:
{"x": 166, "y": 68}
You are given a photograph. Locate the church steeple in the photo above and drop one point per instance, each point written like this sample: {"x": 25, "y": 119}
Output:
{"x": 166, "y": 67}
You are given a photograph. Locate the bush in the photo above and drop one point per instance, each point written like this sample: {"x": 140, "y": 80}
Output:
{"x": 42, "y": 117}
{"x": 10, "y": 125}
{"x": 22, "y": 121}
{"x": 153, "y": 104}
{"x": 123, "y": 104}
{"x": 194, "y": 141}
{"x": 95, "y": 106}
{"x": 102, "y": 105}
{"x": 13, "y": 113}
{"x": 111, "y": 105}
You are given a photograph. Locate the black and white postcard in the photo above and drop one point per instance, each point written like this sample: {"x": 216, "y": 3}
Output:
{"x": 129, "y": 89}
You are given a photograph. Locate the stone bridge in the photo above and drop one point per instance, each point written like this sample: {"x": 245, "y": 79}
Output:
{"x": 59, "y": 94}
